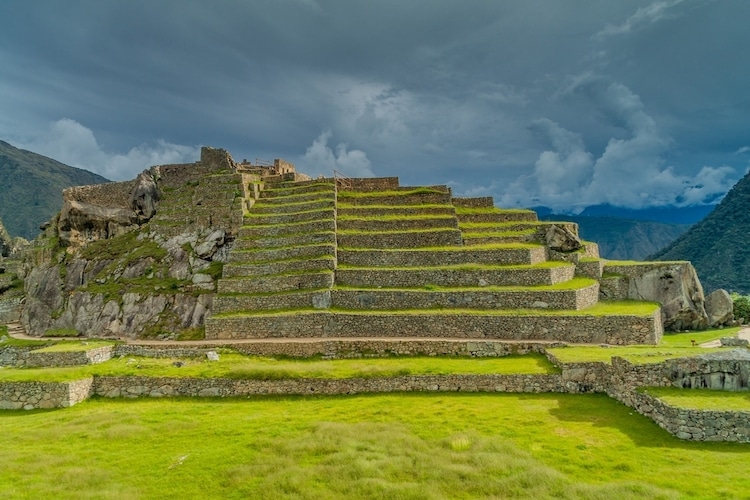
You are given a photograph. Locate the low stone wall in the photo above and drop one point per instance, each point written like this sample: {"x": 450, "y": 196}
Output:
{"x": 573, "y": 328}
{"x": 110, "y": 195}
{"x": 328, "y": 237}
{"x": 114, "y": 387}
{"x": 480, "y": 202}
{"x": 69, "y": 358}
{"x": 286, "y": 229}
{"x": 401, "y": 224}
{"x": 694, "y": 425}
{"x": 278, "y": 209}
{"x": 276, "y": 283}
{"x": 283, "y": 267}
{"x": 284, "y": 253}
{"x": 432, "y": 258}
{"x": 418, "y": 278}
{"x": 43, "y": 395}
{"x": 406, "y": 239}
{"x": 404, "y": 199}
{"x": 488, "y": 300}
{"x": 368, "y": 184}
{"x": 326, "y": 213}
{"x": 162, "y": 351}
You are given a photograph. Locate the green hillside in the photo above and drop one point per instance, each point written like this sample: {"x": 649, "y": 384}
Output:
{"x": 718, "y": 245}
{"x": 31, "y": 188}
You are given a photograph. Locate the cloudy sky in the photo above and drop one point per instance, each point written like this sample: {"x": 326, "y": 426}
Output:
{"x": 563, "y": 103}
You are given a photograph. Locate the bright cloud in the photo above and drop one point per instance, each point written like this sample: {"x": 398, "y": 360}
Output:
{"x": 649, "y": 14}
{"x": 319, "y": 159}
{"x": 74, "y": 144}
{"x": 630, "y": 172}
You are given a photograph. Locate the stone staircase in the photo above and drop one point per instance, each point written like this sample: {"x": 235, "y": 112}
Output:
{"x": 312, "y": 262}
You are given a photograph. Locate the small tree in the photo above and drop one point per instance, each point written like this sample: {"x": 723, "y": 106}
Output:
{"x": 741, "y": 306}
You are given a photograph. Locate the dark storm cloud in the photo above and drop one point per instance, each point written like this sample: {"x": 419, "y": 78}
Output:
{"x": 535, "y": 102}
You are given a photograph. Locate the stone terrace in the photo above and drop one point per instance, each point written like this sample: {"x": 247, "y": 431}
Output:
{"x": 367, "y": 258}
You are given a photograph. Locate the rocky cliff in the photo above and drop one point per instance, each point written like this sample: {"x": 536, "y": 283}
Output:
{"x": 137, "y": 258}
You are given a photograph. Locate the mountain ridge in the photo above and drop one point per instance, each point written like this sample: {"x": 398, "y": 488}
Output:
{"x": 717, "y": 245}
{"x": 32, "y": 187}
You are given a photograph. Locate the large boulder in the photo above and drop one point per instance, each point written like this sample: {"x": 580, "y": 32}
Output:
{"x": 719, "y": 308}
{"x": 145, "y": 196}
{"x": 80, "y": 222}
{"x": 6, "y": 242}
{"x": 561, "y": 239}
{"x": 675, "y": 285}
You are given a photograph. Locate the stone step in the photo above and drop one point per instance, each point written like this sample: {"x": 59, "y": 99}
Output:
{"x": 284, "y": 266}
{"x": 289, "y": 218}
{"x": 395, "y": 210}
{"x": 564, "y": 326}
{"x": 305, "y": 206}
{"x": 510, "y": 238}
{"x": 456, "y": 298}
{"x": 456, "y": 276}
{"x": 394, "y": 198}
{"x": 508, "y": 255}
{"x": 498, "y": 216}
{"x": 297, "y": 189}
{"x": 297, "y": 299}
{"x": 272, "y": 242}
{"x": 316, "y": 226}
{"x": 478, "y": 202}
{"x": 400, "y": 239}
{"x": 403, "y": 223}
{"x": 276, "y": 283}
{"x": 296, "y": 198}
{"x": 283, "y": 253}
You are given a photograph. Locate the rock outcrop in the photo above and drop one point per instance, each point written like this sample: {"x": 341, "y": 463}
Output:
{"x": 675, "y": 285}
{"x": 719, "y": 308}
{"x": 6, "y": 242}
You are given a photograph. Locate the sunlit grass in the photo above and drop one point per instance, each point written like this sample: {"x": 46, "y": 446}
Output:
{"x": 75, "y": 346}
{"x": 687, "y": 339}
{"x": 702, "y": 399}
{"x": 237, "y": 366}
{"x": 384, "y": 446}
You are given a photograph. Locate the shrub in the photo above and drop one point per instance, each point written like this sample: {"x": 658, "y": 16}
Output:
{"x": 741, "y": 306}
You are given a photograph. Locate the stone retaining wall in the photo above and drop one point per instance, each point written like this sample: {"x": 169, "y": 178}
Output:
{"x": 434, "y": 258}
{"x": 418, "y": 278}
{"x": 479, "y": 202}
{"x": 407, "y": 239}
{"x": 567, "y": 328}
{"x": 110, "y": 194}
{"x": 400, "y": 224}
{"x": 404, "y": 199}
{"x": 369, "y": 184}
{"x": 69, "y": 358}
{"x": 43, "y": 395}
{"x": 114, "y": 387}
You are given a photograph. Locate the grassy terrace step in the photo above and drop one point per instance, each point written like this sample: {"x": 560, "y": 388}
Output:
{"x": 483, "y": 227}
{"x": 281, "y": 253}
{"x": 419, "y": 196}
{"x": 275, "y": 242}
{"x": 498, "y": 254}
{"x": 254, "y": 219}
{"x": 276, "y": 283}
{"x": 315, "y": 226}
{"x": 400, "y": 223}
{"x": 399, "y": 239}
{"x": 293, "y": 184}
{"x": 295, "y": 190}
{"x": 319, "y": 263}
{"x": 631, "y": 323}
{"x": 582, "y": 295}
{"x": 296, "y": 198}
{"x": 348, "y": 210}
{"x": 287, "y": 300}
{"x": 548, "y": 273}
{"x": 260, "y": 207}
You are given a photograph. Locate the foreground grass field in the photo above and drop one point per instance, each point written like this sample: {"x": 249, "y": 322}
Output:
{"x": 394, "y": 446}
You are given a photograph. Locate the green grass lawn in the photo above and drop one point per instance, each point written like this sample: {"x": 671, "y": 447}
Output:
{"x": 672, "y": 345}
{"x": 76, "y": 346}
{"x": 237, "y": 366}
{"x": 702, "y": 399}
{"x": 411, "y": 446}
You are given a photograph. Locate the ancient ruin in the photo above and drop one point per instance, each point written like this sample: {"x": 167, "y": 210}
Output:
{"x": 220, "y": 250}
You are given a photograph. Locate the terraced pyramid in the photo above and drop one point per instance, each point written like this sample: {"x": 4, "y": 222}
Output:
{"x": 369, "y": 258}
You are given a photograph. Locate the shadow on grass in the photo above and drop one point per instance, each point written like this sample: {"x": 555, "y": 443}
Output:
{"x": 603, "y": 411}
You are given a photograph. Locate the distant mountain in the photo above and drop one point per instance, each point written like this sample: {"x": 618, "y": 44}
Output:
{"x": 623, "y": 239}
{"x": 31, "y": 187}
{"x": 718, "y": 245}
{"x": 667, "y": 215}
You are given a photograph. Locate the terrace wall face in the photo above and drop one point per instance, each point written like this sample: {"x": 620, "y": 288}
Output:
{"x": 43, "y": 395}
{"x": 132, "y": 387}
{"x": 575, "y": 329}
